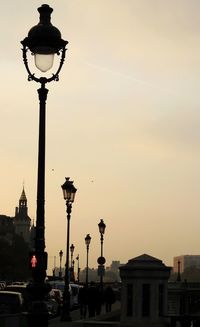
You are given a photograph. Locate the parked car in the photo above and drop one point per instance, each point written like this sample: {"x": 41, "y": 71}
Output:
{"x": 11, "y": 302}
{"x": 20, "y": 289}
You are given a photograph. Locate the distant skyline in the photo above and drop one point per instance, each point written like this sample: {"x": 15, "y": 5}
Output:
{"x": 123, "y": 123}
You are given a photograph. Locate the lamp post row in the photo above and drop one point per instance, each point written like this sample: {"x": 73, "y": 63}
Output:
{"x": 101, "y": 259}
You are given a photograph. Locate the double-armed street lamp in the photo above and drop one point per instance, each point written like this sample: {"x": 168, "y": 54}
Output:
{"x": 101, "y": 260}
{"x": 60, "y": 255}
{"x": 43, "y": 42}
{"x": 87, "y": 243}
{"x": 69, "y": 192}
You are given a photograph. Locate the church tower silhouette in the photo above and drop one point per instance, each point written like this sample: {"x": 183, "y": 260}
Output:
{"x": 22, "y": 221}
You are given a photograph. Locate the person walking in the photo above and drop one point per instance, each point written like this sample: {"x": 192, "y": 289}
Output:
{"x": 93, "y": 296}
{"x": 109, "y": 298}
{"x": 82, "y": 298}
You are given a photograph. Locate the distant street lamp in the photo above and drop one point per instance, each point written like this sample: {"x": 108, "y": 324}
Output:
{"x": 60, "y": 255}
{"x": 78, "y": 268}
{"x": 43, "y": 41}
{"x": 72, "y": 247}
{"x": 54, "y": 268}
{"x": 87, "y": 242}
{"x": 101, "y": 260}
{"x": 69, "y": 192}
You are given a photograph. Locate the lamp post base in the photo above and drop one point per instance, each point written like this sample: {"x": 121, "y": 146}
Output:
{"x": 38, "y": 314}
{"x": 65, "y": 315}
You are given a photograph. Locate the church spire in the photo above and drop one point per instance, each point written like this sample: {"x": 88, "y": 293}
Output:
{"x": 23, "y": 203}
{"x": 23, "y": 196}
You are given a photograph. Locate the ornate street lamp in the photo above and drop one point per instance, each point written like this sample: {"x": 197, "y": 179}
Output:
{"x": 87, "y": 243}
{"x": 60, "y": 255}
{"x": 101, "y": 260}
{"x": 43, "y": 41}
{"x": 69, "y": 192}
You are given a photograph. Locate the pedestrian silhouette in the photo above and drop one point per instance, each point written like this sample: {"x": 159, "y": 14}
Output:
{"x": 93, "y": 296}
{"x": 82, "y": 298}
{"x": 109, "y": 298}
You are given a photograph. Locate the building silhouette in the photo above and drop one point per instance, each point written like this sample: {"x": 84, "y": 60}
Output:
{"x": 20, "y": 224}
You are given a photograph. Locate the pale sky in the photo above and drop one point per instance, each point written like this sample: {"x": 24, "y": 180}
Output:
{"x": 123, "y": 122}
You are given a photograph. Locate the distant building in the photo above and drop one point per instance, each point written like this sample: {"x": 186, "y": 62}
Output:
{"x": 186, "y": 261}
{"x": 115, "y": 266}
{"x": 20, "y": 224}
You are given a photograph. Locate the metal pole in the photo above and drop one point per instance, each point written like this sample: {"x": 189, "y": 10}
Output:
{"x": 60, "y": 272}
{"x": 39, "y": 239}
{"x": 65, "y": 316}
{"x": 38, "y": 313}
{"x": 86, "y": 280}
{"x": 78, "y": 269}
{"x": 101, "y": 276}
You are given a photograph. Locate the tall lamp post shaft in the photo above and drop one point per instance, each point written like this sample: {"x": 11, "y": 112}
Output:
{"x": 101, "y": 276}
{"x": 40, "y": 215}
{"x": 101, "y": 245}
{"x": 78, "y": 269}
{"x": 66, "y": 295}
{"x": 86, "y": 280}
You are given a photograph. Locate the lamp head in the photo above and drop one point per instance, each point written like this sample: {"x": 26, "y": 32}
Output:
{"x": 101, "y": 226}
{"x": 69, "y": 190}
{"x": 72, "y": 247}
{"x": 87, "y": 239}
{"x": 44, "y": 40}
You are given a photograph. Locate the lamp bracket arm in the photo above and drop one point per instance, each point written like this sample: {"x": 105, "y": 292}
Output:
{"x": 55, "y": 77}
{"x": 31, "y": 77}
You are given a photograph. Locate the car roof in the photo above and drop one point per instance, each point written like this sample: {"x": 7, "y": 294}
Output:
{"x": 10, "y": 292}
{"x": 16, "y": 285}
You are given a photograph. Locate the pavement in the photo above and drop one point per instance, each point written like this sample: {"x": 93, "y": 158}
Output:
{"x": 104, "y": 319}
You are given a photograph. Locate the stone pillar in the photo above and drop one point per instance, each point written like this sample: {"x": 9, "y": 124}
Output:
{"x": 144, "y": 292}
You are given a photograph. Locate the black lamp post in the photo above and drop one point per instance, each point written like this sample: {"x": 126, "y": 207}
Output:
{"x": 87, "y": 243}
{"x": 78, "y": 268}
{"x": 43, "y": 40}
{"x": 101, "y": 260}
{"x": 69, "y": 192}
{"x": 60, "y": 255}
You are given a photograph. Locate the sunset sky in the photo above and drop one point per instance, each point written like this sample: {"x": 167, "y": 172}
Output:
{"x": 123, "y": 123}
